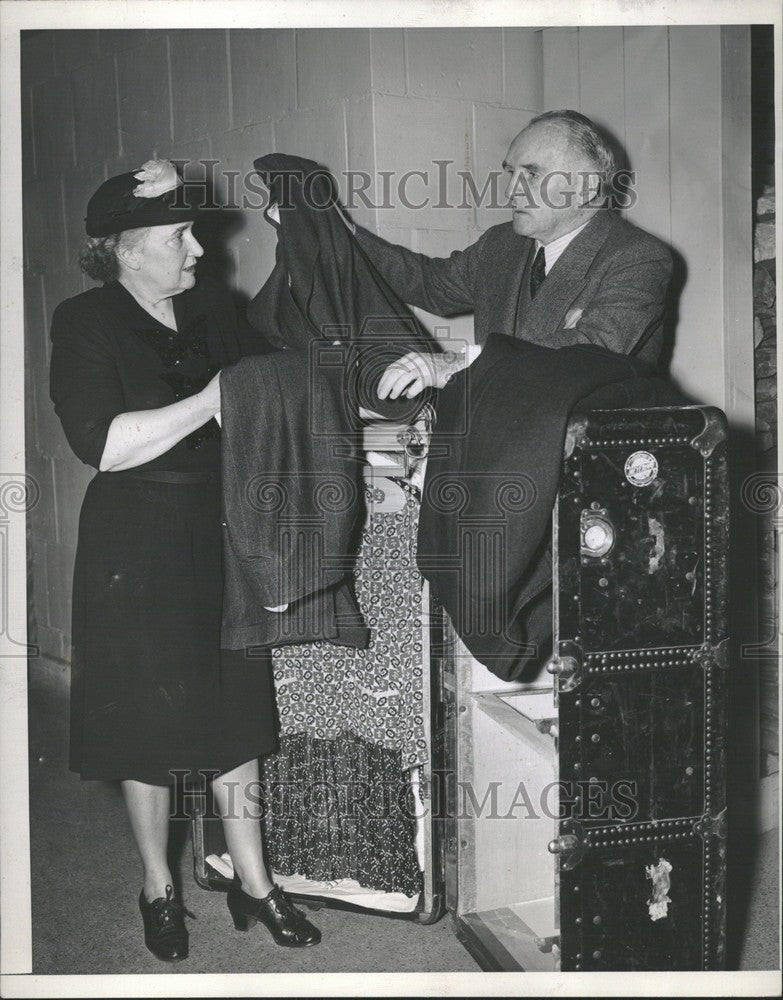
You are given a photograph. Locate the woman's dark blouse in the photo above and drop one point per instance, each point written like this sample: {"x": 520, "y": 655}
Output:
{"x": 109, "y": 356}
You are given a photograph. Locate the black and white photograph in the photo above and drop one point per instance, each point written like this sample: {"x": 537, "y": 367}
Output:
{"x": 390, "y": 508}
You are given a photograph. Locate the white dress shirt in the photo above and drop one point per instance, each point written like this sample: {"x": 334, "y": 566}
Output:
{"x": 555, "y": 249}
{"x": 552, "y": 252}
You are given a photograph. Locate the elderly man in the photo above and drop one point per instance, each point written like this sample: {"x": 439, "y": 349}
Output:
{"x": 565, "y": 270}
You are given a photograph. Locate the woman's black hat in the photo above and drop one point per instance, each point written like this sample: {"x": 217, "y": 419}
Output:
{"x": 153, "y": 195}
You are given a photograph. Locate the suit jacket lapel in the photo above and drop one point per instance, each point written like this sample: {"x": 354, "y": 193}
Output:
{"x": 546, "y": 313}
{"x": 515, "y": 295}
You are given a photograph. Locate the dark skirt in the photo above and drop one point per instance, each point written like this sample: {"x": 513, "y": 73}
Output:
{"x": 152, "y": 692}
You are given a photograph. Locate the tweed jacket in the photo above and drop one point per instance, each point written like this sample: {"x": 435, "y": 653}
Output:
{"x": 608, "y": 288}
{"x": 292, "y": 504}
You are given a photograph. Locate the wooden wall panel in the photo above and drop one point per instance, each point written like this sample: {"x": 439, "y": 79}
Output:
{"x": 695, "y": 89}
{"x": 561, "y": 68}
{"x": 646, "y": 59}
{"x": 602, "y": 79}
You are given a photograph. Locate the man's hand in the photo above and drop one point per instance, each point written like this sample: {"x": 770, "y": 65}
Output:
{"x": 414, "y": 372}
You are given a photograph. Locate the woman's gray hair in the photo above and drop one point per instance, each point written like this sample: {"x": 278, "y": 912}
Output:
{"x": 98, "y": 254}
{"x": 584, "y": 135}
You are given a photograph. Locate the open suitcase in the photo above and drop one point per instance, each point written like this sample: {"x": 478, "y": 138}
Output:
{"x": 577, "y": 821}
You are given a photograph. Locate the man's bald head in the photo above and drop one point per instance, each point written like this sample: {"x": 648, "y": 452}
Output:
{"x": 557, "y": 166}
{"x": 582, "y": 135}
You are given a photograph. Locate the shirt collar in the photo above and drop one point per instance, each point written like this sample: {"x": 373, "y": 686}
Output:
{"x": 553, "y": 250}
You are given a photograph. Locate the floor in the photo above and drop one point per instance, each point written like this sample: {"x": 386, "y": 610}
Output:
{"x": 86, "y": 878}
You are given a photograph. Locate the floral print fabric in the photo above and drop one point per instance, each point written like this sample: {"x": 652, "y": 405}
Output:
{"x": 325, "y": 691}
{"x": 340, "y": 808}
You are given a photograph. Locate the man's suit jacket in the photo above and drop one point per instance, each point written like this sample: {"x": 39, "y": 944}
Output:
{"x": 607, "y": 288}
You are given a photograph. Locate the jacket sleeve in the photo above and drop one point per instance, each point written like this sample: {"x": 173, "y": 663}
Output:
{"x": 239, "y": 337}
{"x": 441, "y": 285}
{"x": 251, "y": 340}
{"x": 84, "y": 383}
{"x": 626, "y": 311}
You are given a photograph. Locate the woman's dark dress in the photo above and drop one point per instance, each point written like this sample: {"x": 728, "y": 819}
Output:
{"x": 151, "y": 690}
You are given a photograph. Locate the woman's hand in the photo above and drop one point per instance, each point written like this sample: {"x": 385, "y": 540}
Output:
{"x": 210, "y": 395}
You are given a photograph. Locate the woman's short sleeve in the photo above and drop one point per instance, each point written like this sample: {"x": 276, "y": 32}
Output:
{"x": 84, "y": 383}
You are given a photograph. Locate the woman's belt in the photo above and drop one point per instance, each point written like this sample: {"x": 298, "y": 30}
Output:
{"x": 182, "y": 476}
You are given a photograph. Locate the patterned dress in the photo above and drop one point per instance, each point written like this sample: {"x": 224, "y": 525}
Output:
{"x": 352, "y": 725}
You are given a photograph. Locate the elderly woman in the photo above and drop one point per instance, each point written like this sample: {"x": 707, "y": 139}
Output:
{"x": 135, "y": 373}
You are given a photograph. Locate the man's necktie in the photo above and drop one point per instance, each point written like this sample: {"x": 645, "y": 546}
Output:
{"x": 538, "y": 272}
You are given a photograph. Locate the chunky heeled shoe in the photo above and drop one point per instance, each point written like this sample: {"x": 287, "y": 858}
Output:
{"x": 165, "y": 933}
{"x": 287, "y": 925}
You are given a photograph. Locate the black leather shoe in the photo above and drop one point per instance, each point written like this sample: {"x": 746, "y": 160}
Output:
{"x": 287, "y": 925}
{"x": 165, "y": 933}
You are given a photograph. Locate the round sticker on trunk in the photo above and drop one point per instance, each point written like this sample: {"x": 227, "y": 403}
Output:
{"x": 641, "y": 468}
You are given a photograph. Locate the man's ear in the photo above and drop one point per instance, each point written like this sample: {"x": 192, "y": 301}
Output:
{"x": 591, "y": 186}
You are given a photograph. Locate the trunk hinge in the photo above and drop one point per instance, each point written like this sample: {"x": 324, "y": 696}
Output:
{"x": 547, "y": 944}
{"x": 569, "y": 846}
{"x": 547, "y": 726}
{"x": 566, "y": 666}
